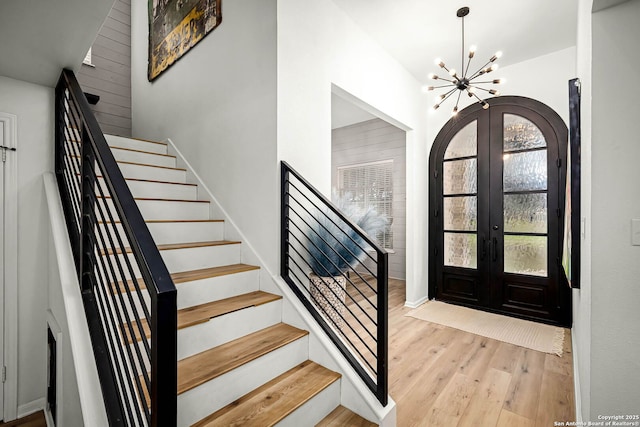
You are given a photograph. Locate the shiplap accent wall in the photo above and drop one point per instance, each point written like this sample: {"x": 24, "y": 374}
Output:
{"x": 110, "y": 75}
{"x": 373, "y": 141}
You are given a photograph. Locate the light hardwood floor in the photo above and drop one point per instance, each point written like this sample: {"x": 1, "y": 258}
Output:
{"x": 441, "y": 376}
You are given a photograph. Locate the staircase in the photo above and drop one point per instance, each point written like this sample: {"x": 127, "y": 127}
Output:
{"x": 238, "y": 364}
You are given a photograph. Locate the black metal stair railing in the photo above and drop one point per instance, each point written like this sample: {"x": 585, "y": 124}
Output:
{"x": 129, "y": 297}
{"x": 351, "y": 302}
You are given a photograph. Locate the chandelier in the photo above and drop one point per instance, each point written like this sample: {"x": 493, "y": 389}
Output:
{"x": 463, "y": 81}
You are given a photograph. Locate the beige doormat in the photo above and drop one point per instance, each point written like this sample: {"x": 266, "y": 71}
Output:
{"x": 536, "y": 336}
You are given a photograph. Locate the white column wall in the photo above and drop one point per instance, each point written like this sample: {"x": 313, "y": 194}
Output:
{"x": 320, "y": 50}
{"x": 218, "y": 105}
{"x": 33, "y": 105}
{"x": 615, "y": 263}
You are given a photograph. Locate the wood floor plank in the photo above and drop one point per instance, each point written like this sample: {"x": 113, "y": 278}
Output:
{"x": 343, "y": 417}
{"x": 34, "y": 420}
{"x": 420, "y": 366}
{"x": 506, "y": 357}
{"x": 564, "y": 364}
{"x": 556, "y": 401}
{"x": 451, "y": 403}
{"x": 524, "y": 390}
{"x": 476, "y": 358}
{"x": 486, "y": 403}
{"x": 209, "y": 364}
{"x": 202, "y": 313}
{"x": 509, "y": 419}
{"x": 273, "y": 401}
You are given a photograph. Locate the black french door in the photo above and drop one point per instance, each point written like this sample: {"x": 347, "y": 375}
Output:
{"x": 497, "y": 195}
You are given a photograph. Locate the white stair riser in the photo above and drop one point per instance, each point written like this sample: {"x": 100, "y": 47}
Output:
{"x": 201, "y": 401}
{"x": 178, "y": 260}
{"x": 157, "y": 190}
{"x": 203, "y": 291}
{"x": 127, "y": 155}
{"x": 135, "y": 144}
{"x": 313, "y": 411}
{"x": 179, "y": 232}
{"x": 186, "y": 232}
{"x": 168, "y": 209}
{"x": 216, "y": 288}
{"x": 222, "y": 329}
{"x": 153, "y": 173}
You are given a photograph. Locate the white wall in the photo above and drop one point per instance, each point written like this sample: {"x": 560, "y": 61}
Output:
{"x": 615, "y": 266}
{"x": 319, "y": 50}
{"x": 218, "y": 105}
{"x": 33, "y": 105}
{"x": 543, "y": 78}
{"x": 581, "y": 333}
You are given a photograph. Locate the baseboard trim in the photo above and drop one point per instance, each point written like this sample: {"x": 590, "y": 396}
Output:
{"x": 31, "y": 407}
{"x": 48, "y": 418}
{"x": 416, "y": 304}
{"x": 576, "y": 379}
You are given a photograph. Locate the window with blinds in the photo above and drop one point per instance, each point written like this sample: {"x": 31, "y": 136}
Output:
{"x": 370, "y": 185}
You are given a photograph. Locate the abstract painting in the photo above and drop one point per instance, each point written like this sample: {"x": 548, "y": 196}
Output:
{"x": 175, "y": 26}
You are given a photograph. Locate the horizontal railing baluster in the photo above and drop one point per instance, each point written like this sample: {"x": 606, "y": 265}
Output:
{"x": 139, "y": 384}
{"x": 356, "y": 324}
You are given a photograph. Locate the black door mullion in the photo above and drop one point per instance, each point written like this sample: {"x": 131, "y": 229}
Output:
{"x": 496, "y": 220}
{"x": 484, "y": 208}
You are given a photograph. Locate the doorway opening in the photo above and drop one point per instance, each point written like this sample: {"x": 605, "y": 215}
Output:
{"x": 496, "y": 197}
{"x": 368, "y": 169}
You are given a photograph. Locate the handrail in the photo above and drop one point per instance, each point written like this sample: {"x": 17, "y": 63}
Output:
{"x": 316, "y": 237}
{"x": 138, "y": 379}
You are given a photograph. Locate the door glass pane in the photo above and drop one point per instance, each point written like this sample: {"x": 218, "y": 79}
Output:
{"x": 525, "y": 213}
{"x": 525, "y": 171}
{"x": 460, "y": 213}
{"x": 460, "y": 250}
{"x": 460, "y": 176}
{"x": 521, "y": 134}
{"x": 465, "y": 143}
{"x": 525, "y": 255}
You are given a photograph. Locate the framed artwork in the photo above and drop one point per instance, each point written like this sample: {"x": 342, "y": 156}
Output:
{"x": 175, "y": 26}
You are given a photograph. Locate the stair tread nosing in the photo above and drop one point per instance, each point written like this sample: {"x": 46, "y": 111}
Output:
{"x": 343, "y": 417}
{"x": 272, "y": 402}
{"x": 202, "y": 367}
{"x": 172, "y": 246}
{"x": 202, "y": 313}
{"x": 193, "y": 275}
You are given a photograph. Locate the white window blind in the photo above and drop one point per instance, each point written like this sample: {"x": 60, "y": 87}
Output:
{"x": 370, "y": 185}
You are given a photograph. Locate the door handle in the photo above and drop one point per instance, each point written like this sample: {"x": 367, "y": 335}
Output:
{"x": 494, "y": 249}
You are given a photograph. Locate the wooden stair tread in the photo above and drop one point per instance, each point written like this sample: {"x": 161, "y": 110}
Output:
{"x": 172, "y": 246}
{"x": 343, "y": 417}
{"x": 272, "y": 402}
{"x": 141, "y": 151}
{"x": 202, "y": 367}
{"x": 202, "y": 313}
{"x": 192, "y": 275}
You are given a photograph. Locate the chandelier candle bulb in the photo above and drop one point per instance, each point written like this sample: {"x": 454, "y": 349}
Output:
{"x": 472, "y": 51}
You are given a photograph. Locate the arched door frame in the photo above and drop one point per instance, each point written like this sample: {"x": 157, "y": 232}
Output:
{"x": 441, "y": 142}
